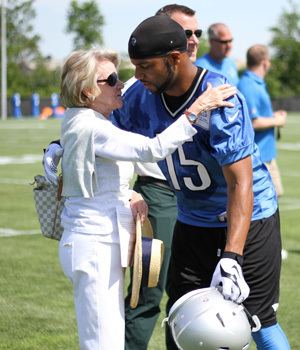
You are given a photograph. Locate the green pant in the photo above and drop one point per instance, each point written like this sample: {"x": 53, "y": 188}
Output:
{"x": 140, "y": 322}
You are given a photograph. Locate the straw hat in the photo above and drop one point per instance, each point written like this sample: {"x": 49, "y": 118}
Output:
{"x": 147, "y": 260}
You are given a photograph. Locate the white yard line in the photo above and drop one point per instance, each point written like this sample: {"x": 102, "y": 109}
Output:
{"x": 20, "y": 126}
{"x": 293, "y": 120}
{"x": 24, "y": 159}
{"x": 9, "y": 232}
{"x": 289, "y": 208}
{"x": 287, "y": 204}
{"x": 295, "y": 146}
{"x": 290, "y": 173}
{"x": 6, "y": 181}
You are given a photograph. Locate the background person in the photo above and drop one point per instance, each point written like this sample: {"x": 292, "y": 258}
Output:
{"x": 264, "y": 120}
{"x": 219, "y": 172}
{"x": 186, "y": 17}
{"x": 217, "y": 59}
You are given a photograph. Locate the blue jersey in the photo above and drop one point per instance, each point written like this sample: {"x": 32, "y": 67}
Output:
{"x": 195, "y": 170}
{"x": 226, "y": 67}
{"x": 259, "y": 105}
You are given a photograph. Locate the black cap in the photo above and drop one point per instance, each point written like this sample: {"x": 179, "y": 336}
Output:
{"x": 156, "y": 36}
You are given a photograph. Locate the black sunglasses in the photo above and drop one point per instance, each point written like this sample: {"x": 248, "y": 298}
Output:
{"x": 111, "y": 80}
{"x": 189, "y": 33}
{"x": 223, "y": 41}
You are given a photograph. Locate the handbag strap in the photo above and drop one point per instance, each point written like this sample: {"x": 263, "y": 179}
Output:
{"x": 59, "y": 187}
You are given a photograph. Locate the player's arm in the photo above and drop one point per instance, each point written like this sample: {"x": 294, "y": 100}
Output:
{"x": 238, "y": 176}
{"x": 228, "y": 273}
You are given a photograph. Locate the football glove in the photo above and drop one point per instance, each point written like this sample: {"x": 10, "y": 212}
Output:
{"x": 51, "y": 160}
{"x": 229, "y": 276}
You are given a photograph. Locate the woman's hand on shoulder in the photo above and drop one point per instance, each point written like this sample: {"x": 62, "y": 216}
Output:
{"x": 213, "y": 97}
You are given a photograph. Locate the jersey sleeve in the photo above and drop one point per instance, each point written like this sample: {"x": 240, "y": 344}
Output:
{"x": 231, "y": 132}
{"x": 114, "y": 143}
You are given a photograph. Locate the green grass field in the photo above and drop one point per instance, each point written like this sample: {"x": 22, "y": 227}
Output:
{"x": 36, "y": 306}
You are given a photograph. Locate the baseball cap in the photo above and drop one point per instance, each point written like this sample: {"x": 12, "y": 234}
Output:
{"x": 156, "y": 36}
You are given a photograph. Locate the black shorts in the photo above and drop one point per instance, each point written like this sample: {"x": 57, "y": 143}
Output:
{"x": 197, "y": 250}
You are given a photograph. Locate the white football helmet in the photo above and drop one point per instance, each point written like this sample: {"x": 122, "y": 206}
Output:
{"x": 203, "y": 319}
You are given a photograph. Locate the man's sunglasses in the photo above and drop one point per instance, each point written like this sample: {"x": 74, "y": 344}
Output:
{"x": 111, "y": 80}
{"x": 189, "y": 33}
{"x": 223, "y": 41}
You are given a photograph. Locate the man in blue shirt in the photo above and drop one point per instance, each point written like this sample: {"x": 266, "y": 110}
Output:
{"x": 264, "y": 120}
{"x": 227, "y": 207}
{"x": 217, "y": 60}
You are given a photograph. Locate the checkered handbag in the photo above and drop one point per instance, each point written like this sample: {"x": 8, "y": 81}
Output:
{"x": 49, "y": 205}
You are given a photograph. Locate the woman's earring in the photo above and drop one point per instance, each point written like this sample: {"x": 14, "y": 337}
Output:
{"x": 92, "y": 98}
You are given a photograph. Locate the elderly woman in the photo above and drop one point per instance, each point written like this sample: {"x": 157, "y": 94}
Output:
{"x": 96, "y": 175}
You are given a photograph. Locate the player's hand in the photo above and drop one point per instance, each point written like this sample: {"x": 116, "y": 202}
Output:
{"x": 138, "y": 206}
{"x": 228, "y": 274}
{"x": 51, "y": 160}
{"x": 213, "y": 98}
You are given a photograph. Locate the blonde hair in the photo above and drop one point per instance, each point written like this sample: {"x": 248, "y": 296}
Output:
{"x": 79, "y": 73}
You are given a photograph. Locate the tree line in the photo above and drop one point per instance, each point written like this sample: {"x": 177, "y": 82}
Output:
{"x": 29, "y": 71}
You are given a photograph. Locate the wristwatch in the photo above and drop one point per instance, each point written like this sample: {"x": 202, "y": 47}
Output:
{"x": 192, "y": 118}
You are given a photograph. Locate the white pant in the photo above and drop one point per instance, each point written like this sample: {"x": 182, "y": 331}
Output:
{"x": 94, "y": 268}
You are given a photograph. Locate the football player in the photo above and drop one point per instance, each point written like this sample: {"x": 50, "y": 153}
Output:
{"x": 227, "y": 231}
